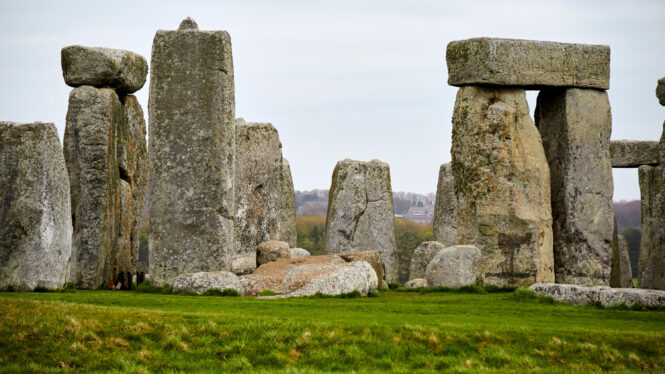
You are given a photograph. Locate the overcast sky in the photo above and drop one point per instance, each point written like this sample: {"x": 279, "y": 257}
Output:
{"x": 357, "y": 79}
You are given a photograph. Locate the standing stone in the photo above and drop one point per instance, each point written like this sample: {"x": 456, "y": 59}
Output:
{"x": 360, "y": 212}
{"x": 35, "y": 216}
{"x": 258, "y": 183}
{"x": 503, "y": 186}
{"x": 192, "y": 140}
{"x": 575, "y": 125}
{"x": 287, "y": 212}
{"x": 422, "y": 256}
{"x": 445, "y": 208}
{"x": 621, "y": 275}
{"x": 660, "y": 91}
{"x": 651, "y": 270}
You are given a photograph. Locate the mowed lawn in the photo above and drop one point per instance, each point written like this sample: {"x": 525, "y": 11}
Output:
{"x": 111, "y": 331}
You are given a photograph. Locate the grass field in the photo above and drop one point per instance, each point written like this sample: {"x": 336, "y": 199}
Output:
{"x": 395, "y": 332}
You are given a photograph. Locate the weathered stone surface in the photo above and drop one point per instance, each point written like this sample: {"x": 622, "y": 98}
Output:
{"x": 271, "y": 251}
{"x": 629, "y": 296}
{"x": 299, "y": 252}
{"x": 575, "y": 125}
{"x": 243, "y": 264}
{"x": 371, "y": 257}
{"x": 35, "y": 215}
{"x": 192, "y": 140}
{"x": 203, "y": 281}
{"x": 121, "y": 70}
{"x": 527, "y": 63}
{"x": 360, "y": 212}
{"x": 569, "y": 293}
{"x": 633, "y": 153}
{"x": 502, "y": 184}
{"x": 621, "y": 274}
{"x": 651, "y": 270}
{"x": 422, "y": 256}
{"x": 258, "y": 186}
{"x": 287, "y": 213}
{"x": 453, "y": 267}
{"x": 445, "y": 209}
{"x": 660, "y": 91}
{"x": 308, "y": 275}
{"x": 416, "y": 283}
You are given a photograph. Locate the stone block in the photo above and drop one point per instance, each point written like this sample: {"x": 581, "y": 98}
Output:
{"x": 444, "y": 226}
{"x": 633, "y": 153}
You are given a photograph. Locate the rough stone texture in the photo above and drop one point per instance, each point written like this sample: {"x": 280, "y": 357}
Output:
{"x": 258, "y": 186}
{"x": 621, "y": 274}
{"x": 121, "y": 70}
{"x": 445, "y": 209}
{"x": 105, "y": 153}
{"x": 416, "y": 283}
{"x": 203, "y": 281}
{"x": 243, "y": 264}
{"x": 308, "y": 275}
{"x": 575, "y": 125}
{"x": 287, "y": 213}
{"x": 453, "y": 267}
{"x": 371, "y": 257}
{"x": 299, "y": 252}
{"x": 271, "y": 251}
{"x": 651, "y": 270}
{"x": 192, "y": 141}
{"x": 502, "y": 183}
{"x": 660, "y": 91}
{"x": 360, "y": 212}
{"x": 630, "y": 296}
{"x": 569, "y": 293}
{"x": 35, "y": 215}
{"x": 633, "y": 153}
{"x": 527, "y": 63}
{"x": 422, "y": 256}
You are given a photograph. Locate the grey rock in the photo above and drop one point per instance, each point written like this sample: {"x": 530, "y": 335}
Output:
{"x": 271, "y": 251}
{"x": 371, "y": 257}
{"x": 287, "y": 213}
{"x": 630, "y": 296}
{"x": 454, "y": 267}
{"x": 121, "y": 70}
{"x": 360, "y": 212}
{"x": 570, "y": 293}
{"x": 258, "y": 186}
{"x": 621, "y": 274}
{"x": 651, "y": 270}
{"x": 416, "y": 283}
{"x": 633, "y": 153}
{"x": 203, "y": 281}
{"x": 299, "y": 252}
{"x": 575, "y": 125}
{"x": 188, "y": 24}
{"x": 502, "y": 182}
{"x": 527, "y": 63}
{"x": 192, "y": 152}
{"x": 422, "y": 256}
{"x": 243, "y": 264}
{"x": 660, "y": 91}
{"x": 445, "y": 209}
{"x": 35, "y": 216}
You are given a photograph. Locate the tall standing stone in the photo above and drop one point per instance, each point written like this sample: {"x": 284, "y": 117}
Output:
{"x": 191, "y": 160}
{"x": 35, "y": 216}
{"x": 287, "y": 213}
{"x": 445, "y": 208}
{"x": 503, "y": 186}
{"x": 360, "y": 212}
{"x": 621, "y": 275}
{"x": 651, "y": 270}
{"x": 575, "y": 125}
{"x": 258, "y": 183}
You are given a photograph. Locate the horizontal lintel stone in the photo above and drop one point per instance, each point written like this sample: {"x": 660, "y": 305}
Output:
{"x": 633, "y": 153}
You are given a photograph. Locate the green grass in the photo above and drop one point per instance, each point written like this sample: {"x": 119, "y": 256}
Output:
{"x": 107, "y": 331}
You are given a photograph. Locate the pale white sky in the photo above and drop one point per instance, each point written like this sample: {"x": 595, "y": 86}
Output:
{"x": 357, "y": 79}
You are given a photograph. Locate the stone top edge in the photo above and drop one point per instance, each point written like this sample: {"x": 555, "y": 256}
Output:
{"x": 18, "y": 124}
{"x": 509, "y": 40}
{"x": 373, "y": 161}
{"x": 191, "y": 31}
{"x": 97, "y": 48}
{"x": 634, "y": 141}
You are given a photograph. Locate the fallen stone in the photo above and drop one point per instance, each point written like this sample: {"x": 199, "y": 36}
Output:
{"x": 243, "y": 264}
{"x": 502, "y": 182}
{"x": 660, "y": 91}
{"x": 271, "y": 251}
{"x": 575, "y": 125}
{"x": 416, "y": 283}
{"x": 445, "y": 209}
{"x": 121, "y": 70}
{"x": 360, "y": 212}
{"x": 454, "y": 267}
{"x": 570, "y": 293}
{"x": 35, "y": 215}
{"x": 203, "y": 281}
{"x": 372, "y": 258}
{"x": 621, "y": 275}
{"x": 287, "y": 213}
{"x": 258, "y": 186}
{"x": 633, "y": 153}
{"x": 651, "y": 269}
{"x": 192, "y": 138}
{"x": 299, "y": 252}
{"x": 527, "y": 63}
{"x": 422, "y": 256}
{"x": 630, "y": 296}
{"x": 330, "y": 275}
